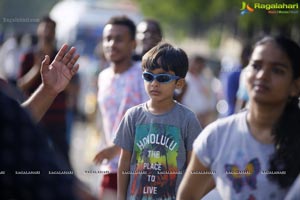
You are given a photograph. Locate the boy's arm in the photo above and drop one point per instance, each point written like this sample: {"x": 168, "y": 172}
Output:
{"x": 195, "y": 185}
{"x": 107, "y": 153}
{"x": 123, "y": 178}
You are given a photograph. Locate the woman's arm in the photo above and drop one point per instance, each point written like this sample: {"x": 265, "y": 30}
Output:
{"x": 195, "y": 185}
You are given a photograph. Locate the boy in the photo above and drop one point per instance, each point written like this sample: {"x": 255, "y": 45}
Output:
{"x": 156, "y": 137}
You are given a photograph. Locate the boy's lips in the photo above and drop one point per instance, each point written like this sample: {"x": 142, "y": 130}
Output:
{"x": 154, "y": 92}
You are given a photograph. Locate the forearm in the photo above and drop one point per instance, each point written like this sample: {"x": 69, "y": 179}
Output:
{"x": 123, "y": 180}
{"x": 30, "y": 78}
{"x": 123, "y": 177}
{"x": 194, "y": 184}
{"x": 188, "y": 157}
{"x": 39, "y": 102}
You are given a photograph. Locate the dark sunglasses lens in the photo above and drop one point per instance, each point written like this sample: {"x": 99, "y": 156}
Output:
{"x": 148, "y": 77}
{"x": 163, "y": 78}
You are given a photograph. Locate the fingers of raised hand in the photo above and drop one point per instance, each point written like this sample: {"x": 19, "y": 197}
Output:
{"x": 62, "y": 51}
{"x": 69, "y": 56}
{"x": 72, "y": 61}
{"x": 74, "y": 69}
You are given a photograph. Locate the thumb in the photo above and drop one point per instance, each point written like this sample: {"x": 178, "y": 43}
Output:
{"x": 45, "y": 64}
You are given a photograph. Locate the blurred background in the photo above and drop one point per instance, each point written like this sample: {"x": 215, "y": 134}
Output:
{"x": 216, "y": 29}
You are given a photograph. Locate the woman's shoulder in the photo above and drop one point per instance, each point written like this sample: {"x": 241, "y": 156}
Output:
{"x": 230, "y": 124}
{"x": 232, "y": 119}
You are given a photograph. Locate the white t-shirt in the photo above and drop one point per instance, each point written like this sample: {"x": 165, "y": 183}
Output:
{"x": 239, "y": 162}
{"x": 117, "y": 93}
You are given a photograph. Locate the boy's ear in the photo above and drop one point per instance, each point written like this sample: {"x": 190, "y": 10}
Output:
{"x": 180, "y": 83}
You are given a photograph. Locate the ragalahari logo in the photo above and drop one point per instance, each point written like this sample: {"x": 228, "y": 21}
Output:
{"x": 246, "y": 8}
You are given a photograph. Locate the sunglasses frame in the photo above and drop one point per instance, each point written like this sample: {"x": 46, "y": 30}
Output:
{"x": 171, "y": 77}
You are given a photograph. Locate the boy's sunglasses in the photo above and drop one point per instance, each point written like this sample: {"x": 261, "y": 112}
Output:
{"x": 161, "y": 78}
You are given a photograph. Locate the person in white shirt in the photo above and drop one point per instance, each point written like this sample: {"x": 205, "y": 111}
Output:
{"x": 253, "y": 154}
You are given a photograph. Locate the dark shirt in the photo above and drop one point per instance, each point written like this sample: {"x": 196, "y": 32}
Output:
{"x": 27, "y": 162}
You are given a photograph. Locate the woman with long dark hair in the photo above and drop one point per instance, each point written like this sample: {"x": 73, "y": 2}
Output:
{"x": 254, "y": 154}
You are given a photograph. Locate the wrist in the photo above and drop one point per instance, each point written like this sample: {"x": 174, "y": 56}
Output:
{"x": 47, "y": 91}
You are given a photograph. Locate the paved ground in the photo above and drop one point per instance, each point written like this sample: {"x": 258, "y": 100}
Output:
{"x": 84, "y": 143}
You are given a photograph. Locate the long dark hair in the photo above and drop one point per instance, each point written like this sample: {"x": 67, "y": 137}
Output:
{"x": 287, "y": 129}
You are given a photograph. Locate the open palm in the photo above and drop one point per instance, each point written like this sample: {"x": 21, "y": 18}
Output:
{"x": 58, "y": 74}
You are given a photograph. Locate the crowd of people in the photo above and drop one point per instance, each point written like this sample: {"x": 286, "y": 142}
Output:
{"x": 162, "y": 135}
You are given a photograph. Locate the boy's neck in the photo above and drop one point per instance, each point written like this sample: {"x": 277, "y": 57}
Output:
{"x": 158, "y": 108}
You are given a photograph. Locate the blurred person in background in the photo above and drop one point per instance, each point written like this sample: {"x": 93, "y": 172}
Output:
{"x": 120, "y": 86}
{"x": 54, "y": 121}
{"x": 198, "y": 94}
{"x": 242, "y": 94}
{"x": 148, "y": 35}
{"x": 10, "y": 57}
{"x": 230, "y": 79}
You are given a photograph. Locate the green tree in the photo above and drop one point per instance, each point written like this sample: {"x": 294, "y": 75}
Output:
{"x": 198, "y": 17}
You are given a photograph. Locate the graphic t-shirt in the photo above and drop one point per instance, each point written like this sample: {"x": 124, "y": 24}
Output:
{"x": 159, "y": 145}
{"x": 117, "y": 93}
{"x": 238, "y": 162}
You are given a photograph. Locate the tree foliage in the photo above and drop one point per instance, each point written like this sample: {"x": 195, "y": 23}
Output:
{"x": 196, "y": 17}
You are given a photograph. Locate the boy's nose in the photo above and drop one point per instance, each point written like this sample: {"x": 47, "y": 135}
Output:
{"x": 155, "y": 82}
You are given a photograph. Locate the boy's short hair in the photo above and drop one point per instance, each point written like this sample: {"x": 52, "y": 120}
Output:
{"x": 166, "y": 57}
{"x": 124, "y": 21}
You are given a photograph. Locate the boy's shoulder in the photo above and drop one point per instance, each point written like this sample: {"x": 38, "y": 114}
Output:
{"x": 183, "y": 109}
{"x": 137, "y": 108}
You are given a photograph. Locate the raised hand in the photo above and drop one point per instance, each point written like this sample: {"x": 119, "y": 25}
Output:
{"x": 57, "y": 75}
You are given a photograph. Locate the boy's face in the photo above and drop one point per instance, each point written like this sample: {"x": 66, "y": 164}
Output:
{"x": 160, "y": 92}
